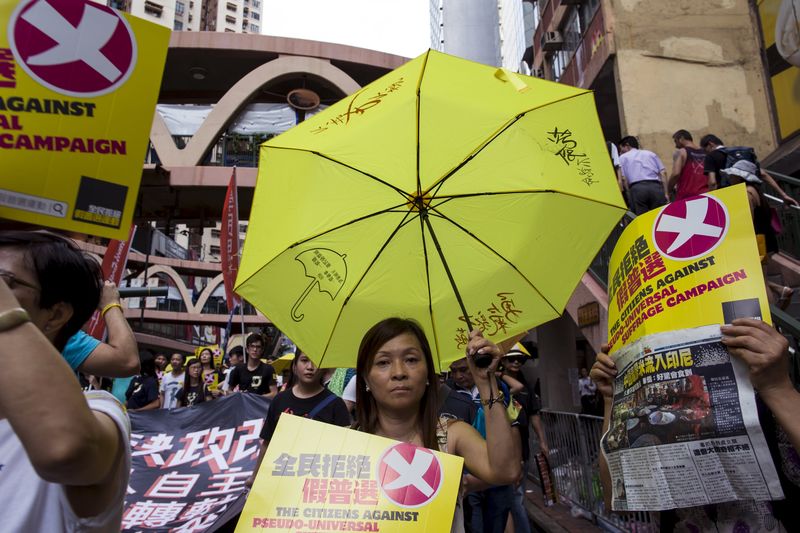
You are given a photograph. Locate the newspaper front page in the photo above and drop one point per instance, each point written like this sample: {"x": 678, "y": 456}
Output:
{"x": 684, "y": 429}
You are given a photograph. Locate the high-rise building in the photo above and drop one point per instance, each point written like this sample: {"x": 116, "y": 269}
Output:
{"x": 233, "y": 16}
{"x": 490, "y": 32}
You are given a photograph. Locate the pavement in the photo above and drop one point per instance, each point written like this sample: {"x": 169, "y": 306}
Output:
{"x": 556, "y": 518}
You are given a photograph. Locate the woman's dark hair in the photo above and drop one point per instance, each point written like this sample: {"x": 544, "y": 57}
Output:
{"x": 147, "y": 362}
{"x": 366, "y": 407}
{"x": 186, "y": 380}
{"x": 64, "y": 272}
{"x": 211, "y": 362}
{"x": 290, "y": 383}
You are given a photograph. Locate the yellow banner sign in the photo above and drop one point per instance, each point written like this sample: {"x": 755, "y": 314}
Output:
{"x": 318, "y": 477}
{"x": 691, "y": 263}
{"x": 78, "y": 86}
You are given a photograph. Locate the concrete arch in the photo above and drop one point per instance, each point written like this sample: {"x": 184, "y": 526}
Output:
{"x": 184, "y": 291}
{"x": 233, "y": 100}
{"x": 208, "y": 291}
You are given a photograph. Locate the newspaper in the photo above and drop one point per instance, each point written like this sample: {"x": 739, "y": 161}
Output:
{"x": 684, "y": 428}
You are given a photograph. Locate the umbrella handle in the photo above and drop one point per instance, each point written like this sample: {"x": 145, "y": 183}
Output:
{"x": 295, "y": 316}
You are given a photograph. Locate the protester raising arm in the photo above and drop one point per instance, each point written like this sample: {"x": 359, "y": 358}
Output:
{"x": 118, "y": 357}
{"x": 495, "y": 460}
{"x": 603, "y": 373}
{"x": 765, "y": 352}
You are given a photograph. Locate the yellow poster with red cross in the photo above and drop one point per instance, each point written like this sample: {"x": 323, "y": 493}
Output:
{"x": 319, "y": 477}
{"x": 79, "y": 83}
{"x": 691, "y": 263}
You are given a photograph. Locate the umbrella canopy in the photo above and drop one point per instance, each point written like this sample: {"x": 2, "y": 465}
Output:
{"x": 282, "y": 363}
{"x": 444, "y": 174}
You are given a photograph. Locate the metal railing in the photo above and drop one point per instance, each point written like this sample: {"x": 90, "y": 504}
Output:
{"x": 789, "y": 215}
{"x": 574, "y": 442}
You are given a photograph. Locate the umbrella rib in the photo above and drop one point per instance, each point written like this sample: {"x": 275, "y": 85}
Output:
{"x": 358, "y": 283}
{"x": 495, "y": 252}
{"x": 329, "y": 158}
{"x": 448, "y": 198}
{"x": 393, "y": 209}
{"x": 428, "y": 283}
{"x": 489, "y": 140}
{"x": 419, "y": 105}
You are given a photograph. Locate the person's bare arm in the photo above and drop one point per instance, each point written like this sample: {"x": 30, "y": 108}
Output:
{"x": 678, "y": 161}
{"x": 495, "y": 460}
{"x": 663, "y": 176}
{"x": 712, "y": 181}
{"x": 514, "y": 385}
{"x": 65, "y": 441}
{"x": 536, "y": 422}
{"x": 603, "y": 373}
{"x": 119, "y": 356}
{"x": 774, "y": 184}
{"x": 765, "y": 352}
{"x": 261, "y": 453}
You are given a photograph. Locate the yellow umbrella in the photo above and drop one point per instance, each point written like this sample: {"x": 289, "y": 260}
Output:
{"x": 447, "y": 191}
{"x": 282, "y": 363}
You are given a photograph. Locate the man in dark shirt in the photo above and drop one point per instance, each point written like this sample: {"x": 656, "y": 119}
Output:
{"x": 255, "y": 376}
{"x": 717, "y": 160}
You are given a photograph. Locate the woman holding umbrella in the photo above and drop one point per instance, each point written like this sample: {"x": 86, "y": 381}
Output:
{"x": 396, "y": 391}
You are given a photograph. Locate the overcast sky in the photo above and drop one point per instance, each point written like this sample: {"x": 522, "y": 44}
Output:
{"x": 399, "y": 27}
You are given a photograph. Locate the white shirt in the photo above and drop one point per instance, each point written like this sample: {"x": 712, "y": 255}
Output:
{"x": 31, "y": 504}
{"x": 586, "y": 386}
{"x": 349, "y": 392}
{"x": 170, "y": 386}
{"x": 641, "y": 165}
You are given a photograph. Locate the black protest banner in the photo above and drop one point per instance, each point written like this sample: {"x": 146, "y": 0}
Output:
{"x": 189, "y": 465}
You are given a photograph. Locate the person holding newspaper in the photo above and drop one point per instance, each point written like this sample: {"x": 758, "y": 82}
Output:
{"x": 765, "y": 353}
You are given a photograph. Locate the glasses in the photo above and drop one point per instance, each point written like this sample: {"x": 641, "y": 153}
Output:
{"x": 514, "y": 359}
{"x": 13, "y": 281}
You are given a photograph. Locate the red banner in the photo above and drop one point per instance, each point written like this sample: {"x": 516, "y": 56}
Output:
{"x": 229, "y": 242}
{"x": 114, "y": 262}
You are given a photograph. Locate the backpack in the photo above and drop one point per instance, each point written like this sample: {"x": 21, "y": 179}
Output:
{"x": 738, "y": 153}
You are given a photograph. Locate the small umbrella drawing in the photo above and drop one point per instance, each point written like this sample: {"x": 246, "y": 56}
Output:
{"x": 327, "y": 270}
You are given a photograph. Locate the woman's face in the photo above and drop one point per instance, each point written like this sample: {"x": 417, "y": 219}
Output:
{"x": 306, "y": 371}
{"x": 195, "y": 369}
{"x": 205, "y": 357}
{"x": 398, "y": 375}
{"x": 513, "y": 363}
{"x": 161, "y": 361}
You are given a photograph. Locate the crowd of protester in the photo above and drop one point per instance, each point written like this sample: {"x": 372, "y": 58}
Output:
{"x": 488, "y": 416}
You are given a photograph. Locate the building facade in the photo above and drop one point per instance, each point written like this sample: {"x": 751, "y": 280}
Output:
{"x": 231, "y": 16}
{"x": 657, "y": 67}
{"x": 489, "y": 32}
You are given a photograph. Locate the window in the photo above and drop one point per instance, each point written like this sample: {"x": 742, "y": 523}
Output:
{"x": 178, "y": 25}
{"x": 254, "y": 28}
{"x": 151, "y": 8}
{"x": 231, "y": 7}
{"x": 256, "y": 3}
{"x": 179, "y": 8}
{"x": 255, "y": 16}
{"x": 213, "y": 250}
{"x": 215, "y": 233}
{"x": 230, "y": 20}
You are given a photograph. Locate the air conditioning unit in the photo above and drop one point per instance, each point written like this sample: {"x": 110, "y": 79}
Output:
{"x": 538, "y": 72}
{"x": 552, "y": 41}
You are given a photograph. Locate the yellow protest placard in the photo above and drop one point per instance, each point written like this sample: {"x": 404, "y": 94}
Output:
{"x": 318, "y": 477}
{"x": 691, "y": 263}
{"x": 78, "y": 86}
